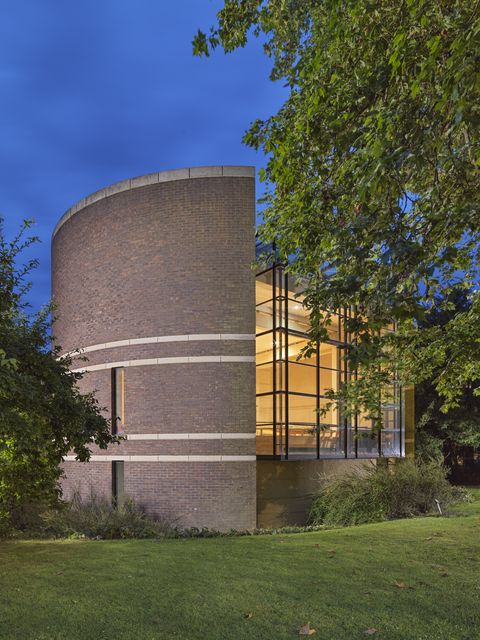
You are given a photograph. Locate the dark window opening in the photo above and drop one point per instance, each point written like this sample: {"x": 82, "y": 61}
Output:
{"x": 118, "y": 483}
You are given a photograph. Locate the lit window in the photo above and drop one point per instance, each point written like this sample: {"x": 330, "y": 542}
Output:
{"x": 118, "y": 400}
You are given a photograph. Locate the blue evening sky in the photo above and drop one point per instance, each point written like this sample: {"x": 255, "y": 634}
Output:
{"x": 96, "y": 91}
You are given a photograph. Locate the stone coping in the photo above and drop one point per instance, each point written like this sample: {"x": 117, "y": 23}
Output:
{"x": 155, "y": 178}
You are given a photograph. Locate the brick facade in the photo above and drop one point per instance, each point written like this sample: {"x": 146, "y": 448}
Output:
{"x": 168, "y": 255}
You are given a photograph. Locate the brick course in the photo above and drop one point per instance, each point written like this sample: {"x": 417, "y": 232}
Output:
{"x": 171, "y": 258}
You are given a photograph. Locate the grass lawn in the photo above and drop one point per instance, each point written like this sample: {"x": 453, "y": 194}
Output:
{"x": 413, "y": 579}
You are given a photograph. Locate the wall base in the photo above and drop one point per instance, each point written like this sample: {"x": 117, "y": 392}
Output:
{"x": 285, "y": 489}
{"x": 214, "y": 495}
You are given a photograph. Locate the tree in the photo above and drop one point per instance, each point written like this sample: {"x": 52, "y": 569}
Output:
{"x": 373, "y": 175}
{"x": 43, "y": 416}
{"x": 447, "y": 437}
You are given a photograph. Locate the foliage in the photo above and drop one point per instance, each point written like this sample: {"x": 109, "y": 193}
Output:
{"x": 98, "y": 518}
{"x": 43, "y": 416}
{"x": 379, "y": 493}
{"x": 373, "y": 173}
{"x": 439, "y": 435}
{"x": 445, "y": 435}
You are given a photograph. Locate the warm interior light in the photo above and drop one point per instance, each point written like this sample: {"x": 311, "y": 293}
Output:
{"x": 280, "y": 340}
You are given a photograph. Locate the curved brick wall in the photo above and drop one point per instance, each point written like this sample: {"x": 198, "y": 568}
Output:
{"x": 153, "y": 275}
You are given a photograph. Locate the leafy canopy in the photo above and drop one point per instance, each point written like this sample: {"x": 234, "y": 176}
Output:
{"x": 43, "y": 416}
{"x": 373, "y": 173}
{"x": 439, "y": 436}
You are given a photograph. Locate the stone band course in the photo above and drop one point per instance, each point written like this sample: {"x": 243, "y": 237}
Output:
{"x": 156, "y": 271}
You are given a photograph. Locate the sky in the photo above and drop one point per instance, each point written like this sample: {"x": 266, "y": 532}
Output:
{"x": 97, "y": 91}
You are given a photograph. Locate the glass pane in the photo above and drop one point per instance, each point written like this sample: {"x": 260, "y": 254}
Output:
{"x": 302, "y": 378}
{"x": 264, "y": 317}
{"x": 363, "y": 421}
{"x": 296, "y": 344}
{"x": 264, "y": 409}
{"x": 328, "y": 380}
{"x": 264, "y": 348}
{"x": 118, "y": 408}
{"x": 302, "y": 409}
{"x": 391, "y": 443}
{"x": 118, "y": 483}
{"x": 351, "y": 440}
{"x": 302, "y": 441}
{"x": 264, "y": 287}
{"x": 329, "y": 356}
{"x": 264, "y": 377}
{"x": 342, "y": 318}
{"x": 390, "y": 418}
{"x": 280, "y": 401}
{"x": 296, "y": 287}
{"x": 367, "y": 443}
{"x": 298, "y": 316}
{"x": 333, "y": 326}
{"x": 280, "y": 441}
{"x": 331, "y": 442}
{"x": 280, "y": 311}
{"x": 329, "y": 413}
{"x": 264, "y": 439}
{"x": 389, "y": 398}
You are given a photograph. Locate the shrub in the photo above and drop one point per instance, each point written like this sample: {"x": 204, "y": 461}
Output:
{"x": 97, "y": 517}
{"x": 376, "y": 493}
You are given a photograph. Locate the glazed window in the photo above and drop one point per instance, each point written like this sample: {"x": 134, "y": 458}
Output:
{"x": 294, "y": 417}
{"x": 118, "y": 483}
{"x": 118, "y": 400}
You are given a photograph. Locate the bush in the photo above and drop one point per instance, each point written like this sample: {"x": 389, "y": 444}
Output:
{"x": 377, "y": 493}
{"x": 97, "y": 517}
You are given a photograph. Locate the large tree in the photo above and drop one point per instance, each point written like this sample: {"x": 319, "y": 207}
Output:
{"x": 452, "y": 436}
{"x": 372, "y": 173}
{"x": 43, "y": 416}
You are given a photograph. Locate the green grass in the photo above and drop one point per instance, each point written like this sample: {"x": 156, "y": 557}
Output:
{"x": 412, "y": 579}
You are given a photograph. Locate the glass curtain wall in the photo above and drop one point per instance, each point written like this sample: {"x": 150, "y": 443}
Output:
{"x": 291, "y": 388}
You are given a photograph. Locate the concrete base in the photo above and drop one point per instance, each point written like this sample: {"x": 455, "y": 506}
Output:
{"x": 285, "y": 489}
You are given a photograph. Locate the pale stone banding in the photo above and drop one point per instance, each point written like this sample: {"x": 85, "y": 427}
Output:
{"x": 116, "y": 275}
{"x": 160, "y": 339}
{"x": 189, "y": 436}
{"x": 159, "y": 361}
{"x": 155, "y": 178}
{"x": 162, "y": 458}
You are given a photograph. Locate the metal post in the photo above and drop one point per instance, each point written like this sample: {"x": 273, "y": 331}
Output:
{"x": 381, "y": 426}
{"x": 345, "y": 377}
{"x": 400, "y": 419}
{"x": 114, "y": 410}
{"x": 286, "y": 364}
{"x": 356, "y": 378}
{"x": 274, "y": 344}
{"x": 318, "y": 400}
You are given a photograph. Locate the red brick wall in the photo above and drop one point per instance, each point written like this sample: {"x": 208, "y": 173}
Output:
{"x": 201, "y": 494}
{"x": 167, "y": 259}
{"x": 87, "y": 479}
